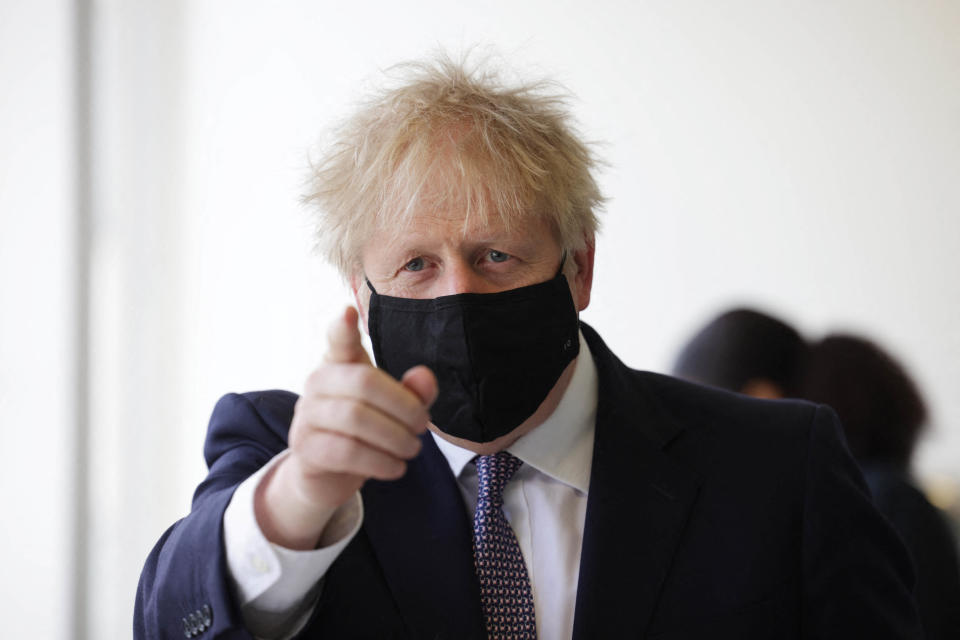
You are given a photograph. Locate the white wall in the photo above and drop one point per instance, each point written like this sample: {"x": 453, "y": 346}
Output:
{"x": 37, "y": 334}
{"x": 799, "y": 156}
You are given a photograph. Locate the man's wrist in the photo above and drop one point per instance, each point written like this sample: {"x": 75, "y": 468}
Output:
{"x": 285, "y": 518}
{"x": 277, "y": 587}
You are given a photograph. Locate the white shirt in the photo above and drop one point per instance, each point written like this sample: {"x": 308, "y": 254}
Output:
{"x": 545, "y": 503}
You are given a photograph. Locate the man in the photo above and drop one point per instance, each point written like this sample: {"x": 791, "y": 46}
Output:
{"x": 524, "y": 483}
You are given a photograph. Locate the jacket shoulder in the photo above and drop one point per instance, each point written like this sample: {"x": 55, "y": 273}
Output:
{"x": 665, "y": 407}
{"x": 259, "y": 419}
{"x": 273, "y": 407}
{"x": 186, "y": 572}
{"x": 694, "y": 404}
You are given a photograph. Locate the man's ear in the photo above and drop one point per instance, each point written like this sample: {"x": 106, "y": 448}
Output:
{"x": 361, "y": 296}
{"x": 762, "y": 388}
{"x": 583, "y": 278}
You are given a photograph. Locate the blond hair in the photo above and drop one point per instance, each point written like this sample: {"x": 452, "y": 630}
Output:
{"x": 450, "y": 137}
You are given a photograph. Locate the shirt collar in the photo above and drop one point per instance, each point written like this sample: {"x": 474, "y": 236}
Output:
{"x": 561, "y": 447}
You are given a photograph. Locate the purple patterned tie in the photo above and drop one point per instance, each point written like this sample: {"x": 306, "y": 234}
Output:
{"x": 504, "y": 585}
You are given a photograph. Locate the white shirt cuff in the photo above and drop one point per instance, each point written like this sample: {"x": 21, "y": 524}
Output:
{"x": 274, "y": 584}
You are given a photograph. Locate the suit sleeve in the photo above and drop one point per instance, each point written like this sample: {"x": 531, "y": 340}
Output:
{"x": 858, "y": 578}
{"x": 185, "y": 588}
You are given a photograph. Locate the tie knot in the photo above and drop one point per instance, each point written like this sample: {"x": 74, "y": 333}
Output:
{"x": 493, "y": 472}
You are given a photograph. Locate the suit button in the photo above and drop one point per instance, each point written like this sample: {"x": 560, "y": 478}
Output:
{"x": 207, "y": 614}
{"x": 187, "y": 628}
{"x": 201, "y": 622}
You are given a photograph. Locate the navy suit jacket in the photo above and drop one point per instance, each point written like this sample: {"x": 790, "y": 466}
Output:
{"x": 708, "y": 515}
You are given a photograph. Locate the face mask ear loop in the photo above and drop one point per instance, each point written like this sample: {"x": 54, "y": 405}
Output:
{"x": 370, "y": 286}
{"x": 563, "y": 262}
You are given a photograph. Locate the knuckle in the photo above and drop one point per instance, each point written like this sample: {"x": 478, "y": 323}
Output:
{"x": 305, "y": 416}
{"x": 366, "y": 379}
{"x": 417, "y": 447}
{"x": 294, "y": 438}
{"x": 330, "y": 450}
{"x": 333, "y": 453}
{"x": 363, "y": 380}
{"x": 421, "y": 416}
{"x": 410, "y": 447}
{"x": 349, "y": 412}
{"x": 316, "y": 379}
{"x": 309, "y": 453}
{"x": 297, "y": 424}
{"x": 395, "y": 469}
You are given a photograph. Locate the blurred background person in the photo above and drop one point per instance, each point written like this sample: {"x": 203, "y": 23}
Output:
{"x": 747, "y": 351}
{"x": 883, "y": 415}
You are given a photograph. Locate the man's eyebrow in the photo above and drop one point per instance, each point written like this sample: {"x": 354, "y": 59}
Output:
{"x": 522, "y": 240}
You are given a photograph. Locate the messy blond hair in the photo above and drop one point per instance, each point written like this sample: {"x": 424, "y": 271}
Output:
{"x": 453, "y": 137}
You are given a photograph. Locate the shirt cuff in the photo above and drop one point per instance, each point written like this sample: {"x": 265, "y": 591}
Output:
{"x": 272, "y": 582}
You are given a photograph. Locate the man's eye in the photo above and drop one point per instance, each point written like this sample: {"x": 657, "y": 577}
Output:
{"x": 498, "y": 256}
{"x": 414, "y": 265}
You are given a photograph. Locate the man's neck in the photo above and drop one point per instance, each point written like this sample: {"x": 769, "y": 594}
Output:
{"x": 538, "y": 417}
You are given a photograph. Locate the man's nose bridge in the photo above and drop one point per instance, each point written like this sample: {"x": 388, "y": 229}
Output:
{"x": 461, "y": 277}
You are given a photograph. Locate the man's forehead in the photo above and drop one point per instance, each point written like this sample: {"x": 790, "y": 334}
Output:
{"x": 463, "y": 226}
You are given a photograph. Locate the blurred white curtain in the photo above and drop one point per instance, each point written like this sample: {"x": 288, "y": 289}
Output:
{"x": 137, "y": 478}
{"x": 39, "y": 304}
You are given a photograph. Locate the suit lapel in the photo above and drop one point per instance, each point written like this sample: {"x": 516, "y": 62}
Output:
{"x": 423, "y": 516}
{"x": 638, "y": 503}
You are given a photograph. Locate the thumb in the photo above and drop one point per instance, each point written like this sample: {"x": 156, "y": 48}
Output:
{"x": 422, "y": 382}
{"x": 343, "y": 340}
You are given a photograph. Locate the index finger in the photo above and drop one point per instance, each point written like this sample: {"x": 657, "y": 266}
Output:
{"x": 373, "y": 388}
{"x": 343, "y": 340}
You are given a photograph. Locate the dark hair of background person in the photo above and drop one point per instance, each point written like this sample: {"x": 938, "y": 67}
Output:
{"x": 741, "y": 349}
{"x": 883, "y": 414}
{"x": 882, "y": 411}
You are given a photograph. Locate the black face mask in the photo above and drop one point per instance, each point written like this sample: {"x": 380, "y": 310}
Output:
{"x": 496, "y": 355}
